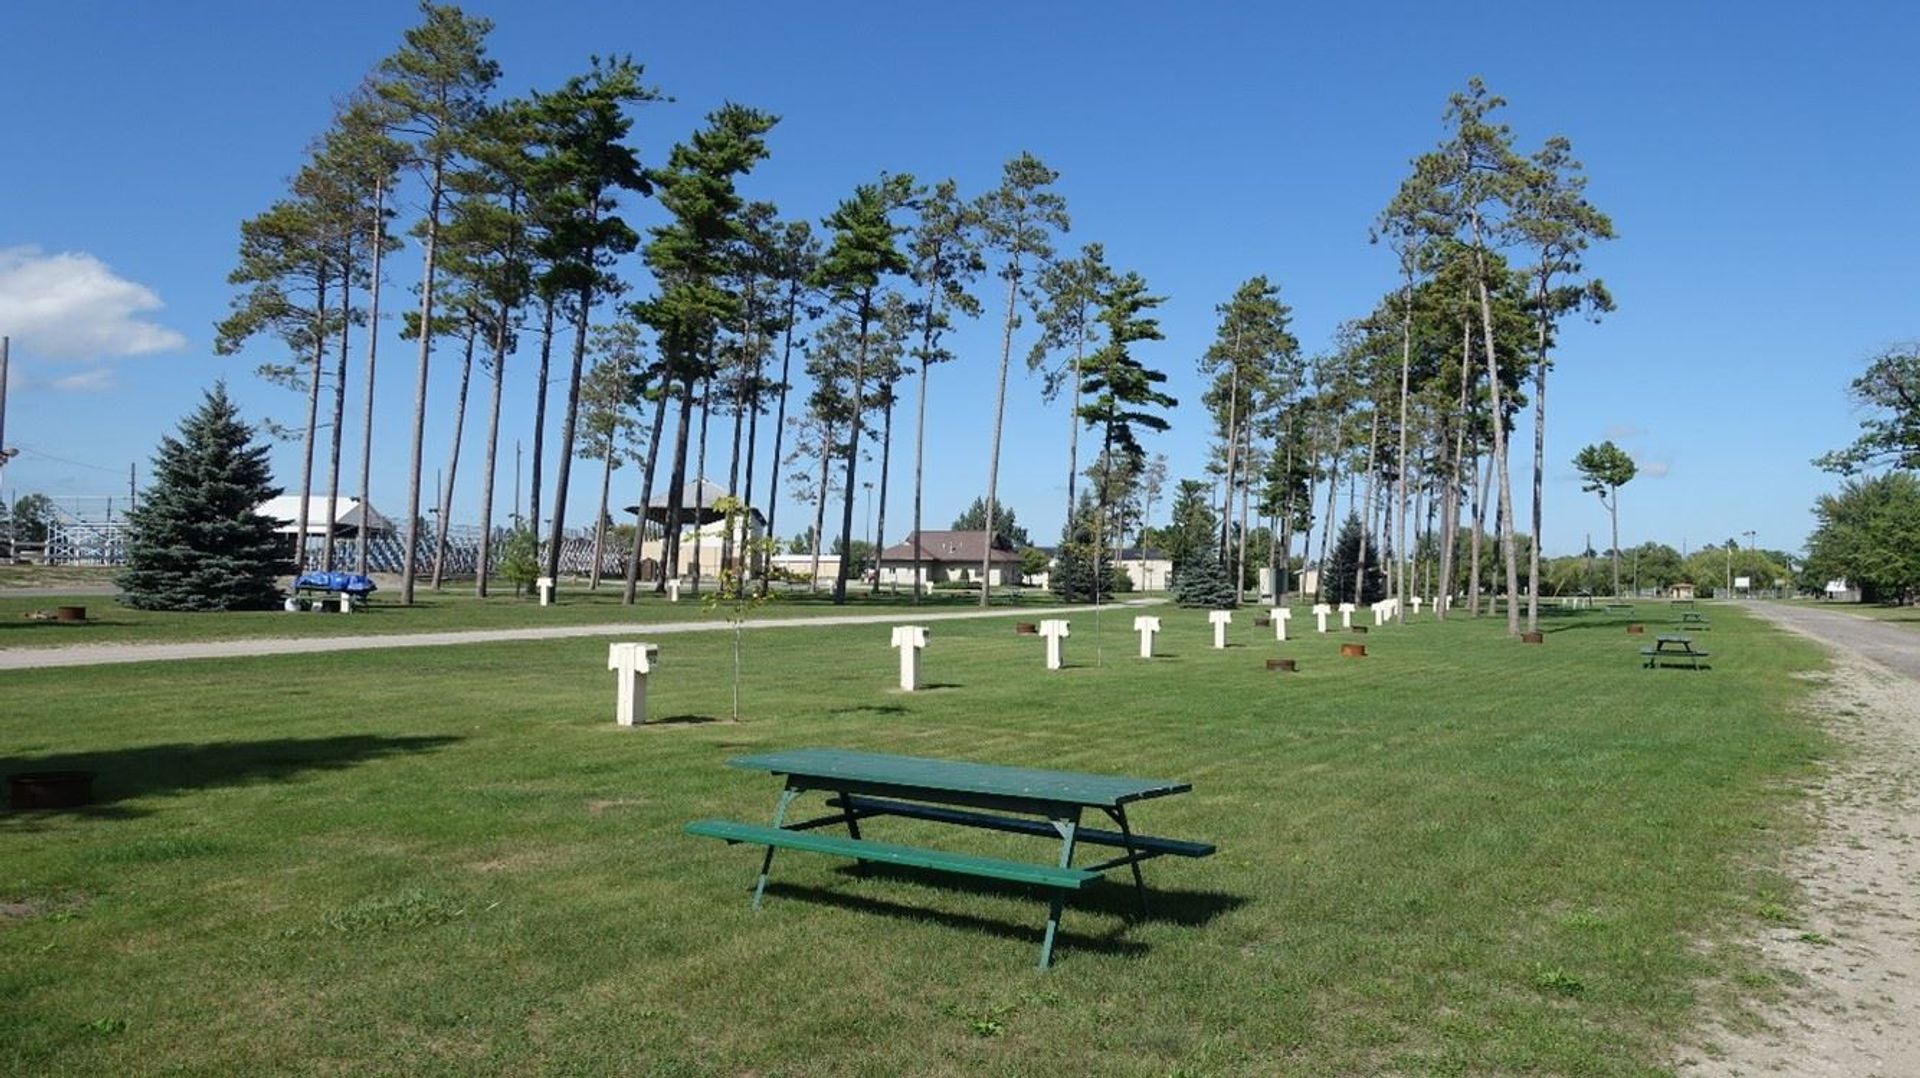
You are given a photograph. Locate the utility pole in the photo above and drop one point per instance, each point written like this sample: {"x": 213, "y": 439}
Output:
{"x": 4, "y": 343}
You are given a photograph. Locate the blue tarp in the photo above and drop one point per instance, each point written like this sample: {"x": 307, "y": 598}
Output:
{"x": 347, "y": 583}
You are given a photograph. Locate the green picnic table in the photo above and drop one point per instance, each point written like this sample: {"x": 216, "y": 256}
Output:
{"x": 1017, "y": 800}
{"x": 1693, "y": 619}
{"x": 1675, "y": 647}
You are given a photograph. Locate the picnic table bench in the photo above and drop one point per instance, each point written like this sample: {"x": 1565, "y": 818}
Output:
{"x": 1693, "y": 619}
{"x": 1673, "y": 647}
{"x": 1015, "y": 800}
{"x": 1620, "y": 608}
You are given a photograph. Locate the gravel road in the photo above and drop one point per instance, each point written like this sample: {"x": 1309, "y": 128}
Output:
{"x": 109, "y": 654}
{"x": 1853, "y": 1005}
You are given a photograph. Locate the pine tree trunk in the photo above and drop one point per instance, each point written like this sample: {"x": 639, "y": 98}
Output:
{"x": 1283, "y": 584}
{"x": 1073, "y": 421}
{"x": 313, "y": 419}
{"x": 600, "y": 518}
{"x": 853, "y": 453}
{"x": 1507, "y": 552}
{"x": 1405, "y": 572}
{"x": 999, "y": 416}
{"x": 780, "y": 417}
{"x": 754, "y": 568}
{"x": 410, "y": 556}
{"x": 886, "y": 458}
{"x": 820, "y": 506}
{"x": 1450, "y": 512}
{"x": 646, "y": 497}
{"x": 727, "y": 553}
{"x": 1366, "y": 525}
{"x": 373, "y": 342}
{"x": 1246, "y": 496}
{"x": 670, "y": 537}
{"x": 920, "y": 457}
{"x": 1482, "y": 481}
{"x": 540, "y": 414}
{"x": 564, "y": 469}
{"x": 700, "y": 482}
{"x": 484, "y": 563}
{"x": 453, "y": 460}
{"x": 1233, "y": 443}
{"x": 1613, "y": 510}
{"x": 1333, "y": 494}
{"x": 339, "y": 417}
{"x": 1539, "y": 463}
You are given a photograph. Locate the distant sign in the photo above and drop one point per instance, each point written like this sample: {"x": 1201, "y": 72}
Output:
{"x": 1743, "y": 582}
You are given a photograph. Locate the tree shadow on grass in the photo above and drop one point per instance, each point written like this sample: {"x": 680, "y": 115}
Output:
{"x": 162, "y": 770}
{"x": 688, "y": 719}
{"x": 1113, "y": 898}
{"x": 874, "y": 709}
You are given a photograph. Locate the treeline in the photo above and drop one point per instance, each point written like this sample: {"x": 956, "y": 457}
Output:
{"x": 1401, "y": 428}
{"x": 524, "y": 228}
{"x": 523, "y": 222}
{"x": 1868, "y": 531}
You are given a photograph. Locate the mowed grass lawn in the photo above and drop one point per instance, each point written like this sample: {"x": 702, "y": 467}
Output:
{"x": 1460, "y": 855}
{"x": 108, "y": 622}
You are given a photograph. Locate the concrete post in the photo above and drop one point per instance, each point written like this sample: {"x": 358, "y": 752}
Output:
{"x": 1055, "y": 630}
{"x": 910, "y": 639}
{"x": 631, "y": 663}
{"x": 1146, "y": 626}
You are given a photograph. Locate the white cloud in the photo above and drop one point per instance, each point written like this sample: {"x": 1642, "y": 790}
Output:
{"x": 97, "y": 380}
{"x": 1654, "y": 469}
{"x": 73, "y": 306}
{"x": 1624, "y": 431}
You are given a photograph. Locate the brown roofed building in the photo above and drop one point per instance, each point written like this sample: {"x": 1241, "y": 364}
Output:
{"x": 948, "y": 557}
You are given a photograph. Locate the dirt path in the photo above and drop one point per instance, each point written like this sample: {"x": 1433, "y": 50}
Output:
{"x": 1856, "y": 1011}
{"x": 108, "y": 654}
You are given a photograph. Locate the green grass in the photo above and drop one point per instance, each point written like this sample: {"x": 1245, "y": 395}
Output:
{"x": 54, "y": 576}
{"x": 1460, "y": 855}
{"x": 110, "y": 623}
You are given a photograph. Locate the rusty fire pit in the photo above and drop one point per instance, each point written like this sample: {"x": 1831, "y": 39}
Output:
{"x": 1353, "y": 651}
{"x": 1533, "y": 638}
{"x": 1636, "y": 630}
{"x": 1026, "y": 628}
{"x": 49, "y": 789}
{"x": 69, "y": 613}
{"x": 1285, "y": 666}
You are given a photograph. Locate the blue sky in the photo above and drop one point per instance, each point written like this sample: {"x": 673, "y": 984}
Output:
{"x": 1758, "y": 162}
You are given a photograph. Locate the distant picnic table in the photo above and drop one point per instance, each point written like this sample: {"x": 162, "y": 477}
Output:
{"x": 1017, "y": 800}
{"x": 1693, "y": 619}
{"x": 1672, "y": 647}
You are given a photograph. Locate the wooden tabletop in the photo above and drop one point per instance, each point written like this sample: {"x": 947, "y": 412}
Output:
{"x": 959, "y": 776}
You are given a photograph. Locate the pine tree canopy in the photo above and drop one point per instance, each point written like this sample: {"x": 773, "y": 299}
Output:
{"x": 1203, "y": 582}
{"x": 1342, "y": 569}
{"x": 196, "y": 542}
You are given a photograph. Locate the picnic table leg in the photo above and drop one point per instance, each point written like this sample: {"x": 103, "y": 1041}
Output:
{"x": 1119, "y": 815}
{"x": 853, "y": 830}
{"x": 779, "y": 820}
{"x": 1067, "y": 826}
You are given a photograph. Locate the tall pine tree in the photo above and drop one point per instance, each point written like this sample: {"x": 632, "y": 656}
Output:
{"x": 196, "y": 542}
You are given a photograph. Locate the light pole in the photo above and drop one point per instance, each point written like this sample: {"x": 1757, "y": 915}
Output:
{"x": 868, "y": 484}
